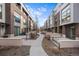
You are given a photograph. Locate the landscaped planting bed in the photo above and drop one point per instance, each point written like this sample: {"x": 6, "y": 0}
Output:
{"x": 52, "y": 50}
{"x": 49, "y": 48}
{"x": 33, "y": 35}
{"x": 15, "y": 51}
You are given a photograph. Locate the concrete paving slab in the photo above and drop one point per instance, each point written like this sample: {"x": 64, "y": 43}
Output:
{"x": 36, "y": 48}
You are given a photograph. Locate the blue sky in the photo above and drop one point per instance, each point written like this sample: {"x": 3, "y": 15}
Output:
{"x": 40, "y": 10}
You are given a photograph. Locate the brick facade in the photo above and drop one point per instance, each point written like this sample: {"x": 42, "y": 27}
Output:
{"x": 63, "y": 30}
{"x": 77, "y": 30}
{"x": 16, "y": 11}
{"x": 66, "y": 30}
{"x": 7, "y": 18}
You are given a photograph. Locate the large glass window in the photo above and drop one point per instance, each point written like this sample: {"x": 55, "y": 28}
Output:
{"x": 16, "y": 31}
{"x": 17, "y": 17}
{"x": 0, "y": 11}
{"x": 66, "y": 14}
{"x": 24, "y": 22}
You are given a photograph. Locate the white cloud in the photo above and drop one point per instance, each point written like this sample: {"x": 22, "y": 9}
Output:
{"x": 42, "y": 20}
{"x": 42, "y": 9}
{"x": 39, "y": 12}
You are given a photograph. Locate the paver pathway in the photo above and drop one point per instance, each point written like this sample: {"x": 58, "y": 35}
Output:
{"x": 36, "y": 48}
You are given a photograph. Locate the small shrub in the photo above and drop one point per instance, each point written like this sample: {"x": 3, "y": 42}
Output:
{"x": 47, "y": 37}
{"x": 32, "y": 35}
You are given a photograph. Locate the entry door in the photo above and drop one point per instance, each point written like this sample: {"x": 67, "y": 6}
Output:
{"x": 72, "y": 32}
{"x": 60, "y": 29}
{"x": 0, "y": 30}
{"x": 17, "y": 31}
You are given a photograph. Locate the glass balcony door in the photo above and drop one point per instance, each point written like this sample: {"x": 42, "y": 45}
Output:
{"x": 17, "y": 31}
{"x": 70, "y": 32}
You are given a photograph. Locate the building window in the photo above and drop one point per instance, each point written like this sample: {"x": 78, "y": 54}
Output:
{"x": 16, "y": 31}
{"x": 0, "y": 11}
{"x": 17, "y": 17}
{"x": 51, "y": 21}
{"x": 27, "y": 23}
{"x": 66, "y": 14}
{"x": 24, "y": 22}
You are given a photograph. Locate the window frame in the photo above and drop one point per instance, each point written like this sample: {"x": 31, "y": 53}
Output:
{"x": 1, "y": 11}
{"x": 67, "y": 12}
{"x": 18, "y": 16}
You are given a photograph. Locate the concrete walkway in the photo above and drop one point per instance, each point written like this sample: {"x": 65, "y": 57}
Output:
{"x": 28, "y": 42}
{"x": 36, "y": 48}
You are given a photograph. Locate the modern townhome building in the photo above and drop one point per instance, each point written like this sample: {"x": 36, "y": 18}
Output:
{"x": 35, "y": 26}
{"x": 14, "y": 19}
{"x": 56, "y": 20}
{"x": 45, "y": 26}
{"x": 31, "y": 25}
{"x": 24, "y": 22}
{"x": 65, "y": 24}
{"x": 66, "y": 20}
{"x": 69, "y": 23}
{"x": 49, "y": 23}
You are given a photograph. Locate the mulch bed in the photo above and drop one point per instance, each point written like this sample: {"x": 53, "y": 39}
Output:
{"x": 49, "y": 47}
{"x": 15, "y": 51}
{"x": 52, "y": 50}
